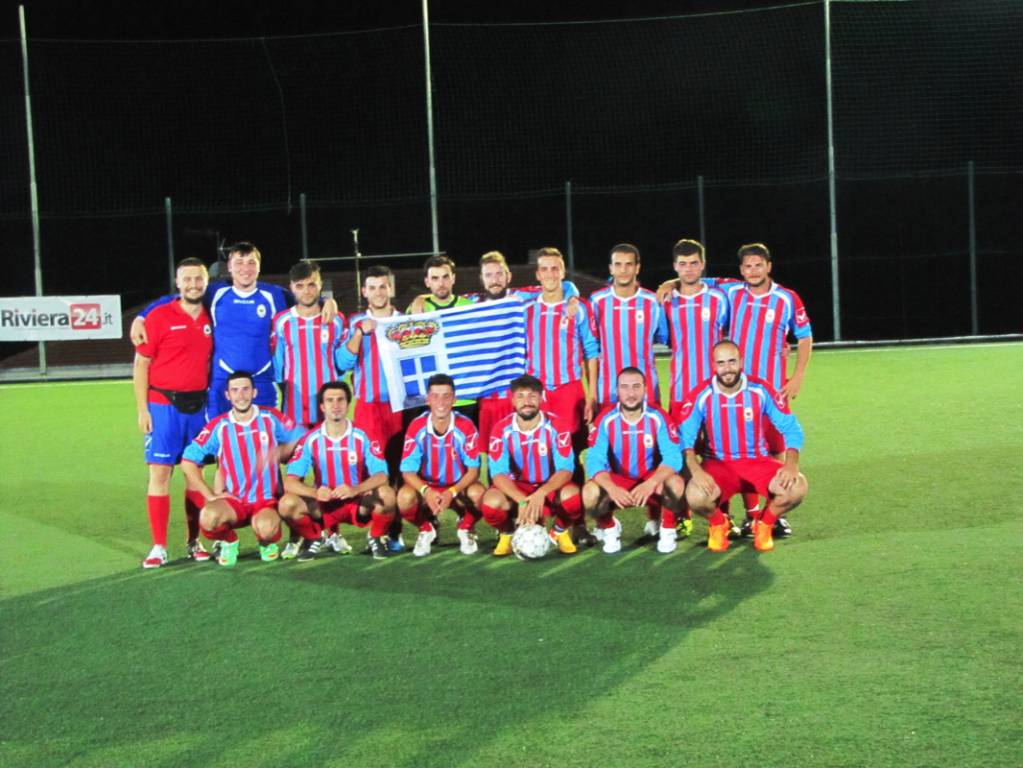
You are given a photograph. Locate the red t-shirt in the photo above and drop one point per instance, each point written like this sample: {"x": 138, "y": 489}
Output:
{"x": 180, "y": 348}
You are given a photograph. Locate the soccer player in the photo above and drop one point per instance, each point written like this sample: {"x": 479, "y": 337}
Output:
{"x": 349, "y": 476}
{"x": 558, "y": 341}
{"x": 629, "y": 321}
{"x": 439, "y": 278}
{"x": 696, "y": 318}
{"x": 247, "y": 441}
{"x": 304, "y": 346}
{"x": 633, "y": 461}
{"x": 763, "y": 313}
{"x": 440, "y": 466}
{"x": 242, "y": 312}
{"x": 734, "y": 411}
{"x": 531, "y": 462}
{"x": 170, "y": 374}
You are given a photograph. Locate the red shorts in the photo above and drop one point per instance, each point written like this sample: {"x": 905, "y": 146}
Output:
{"x": 343, "y": 510}
{"x": 775, "y": 442}
{"x": 491, "y": 411}
{"x": 628, "y": 484}
{"x": 569, "y": 403}
{"x": 383, "y": 425}
{"x": 742, "y": 475}
{"x": 244, "y": 511}
{"x": 550, "y": 500}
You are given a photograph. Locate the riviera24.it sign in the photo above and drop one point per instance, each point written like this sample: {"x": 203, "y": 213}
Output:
{"x": 60, "y": 318}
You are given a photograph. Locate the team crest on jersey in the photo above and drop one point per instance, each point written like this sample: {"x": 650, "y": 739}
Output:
{"x": 639, "y": 317}
{"x": 206, "y": 329}
{"x": 565, "y": 321}
{"x": 769, "y": 316}
{"x": 747, "y": 414}
{"x": 413, "y": 333}
{"x": 261, "y": 310}
{"x": 648, "y": 440}
{"x": 705, "y": 313}
{"x": 324, "y": 335}
{"x": 264, "y": 438}
{"x": 353, "y": 458}
{"x": 541, "y": 448}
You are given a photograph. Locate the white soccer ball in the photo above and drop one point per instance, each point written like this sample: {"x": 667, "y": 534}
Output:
{"x": 530, "y": 542}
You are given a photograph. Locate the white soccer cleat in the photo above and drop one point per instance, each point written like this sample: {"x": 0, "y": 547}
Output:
{"x": 613, "y": 538}
{"x": 290, "y": 551}
{"x": 467, "y": 542}
{"x": 336, "y": 543}
{"x": 651, "y": 529}
{"x": 196, "y": 551}
{"x": 667, "y": 541}
{"x": 423, "y": 542}
{"x": 157, "y": 557}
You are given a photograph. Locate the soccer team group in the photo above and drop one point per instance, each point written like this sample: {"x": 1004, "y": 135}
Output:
{"x": 210, "y": 359}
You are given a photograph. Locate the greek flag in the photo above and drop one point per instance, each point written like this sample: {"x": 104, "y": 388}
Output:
{"x": 481, "y": 346}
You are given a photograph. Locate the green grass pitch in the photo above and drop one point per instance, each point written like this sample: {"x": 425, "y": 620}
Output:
{"x": 886, "y": 632}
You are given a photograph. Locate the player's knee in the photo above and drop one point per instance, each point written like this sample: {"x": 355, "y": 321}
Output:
{"x": 291, "y": 506}
{"x": 266, "y": 527}
{"x": 475, "y": 494}
{"x": 495, "y": 499}
{"x": 700, "y": 500}
{"x": 387, "y": 498}
{"x": 674, "y": 490}
{"x": 210, "y": 518}
{"x": 408, "y": 498}
{"x": 591, "y": 494}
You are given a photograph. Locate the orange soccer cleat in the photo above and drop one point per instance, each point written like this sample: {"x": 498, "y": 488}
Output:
{"x": 763, "y": 536}
{"x": 717, "y": 537}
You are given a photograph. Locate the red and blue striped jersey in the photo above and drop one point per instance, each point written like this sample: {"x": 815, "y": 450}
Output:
{"x": 759, "y": 325}
{"x": 345, "y": 460}
{"x": 557, "y": 343}
{"x": 303, "y": 355}
{"x": 734, "y": 422}
{"x": 246, "y": 452}
{"x": 694, "y": 324}
{"x": 441, "y": 460}
{"x": 633, "y": 450}
{"x": 369, "y": 379}
{"x": 627, "y": 329}
{"x": 533, "y": 456}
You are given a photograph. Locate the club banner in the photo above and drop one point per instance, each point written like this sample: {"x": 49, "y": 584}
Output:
{"x": 60, "y": 318}
{"x": 482, "y": 347}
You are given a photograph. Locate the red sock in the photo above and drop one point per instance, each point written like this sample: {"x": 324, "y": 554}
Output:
{"x": 469, "y": 519}
{"x": 221, "y": 533}
{"x": 194, "y": 502}
{"x": 717, "y": 518}
{"x": 276, "y": 537}
{"x": 415, "y": 516}
{"x": 607, "y": 520}
{"x": 379, "y": 524}
{"x": 572, "y": 509}
{"x": 306, "y": 526}
{"x": 751, "y": 501}
{"x": 668, "y": 519}
{"x": 159, "y": 513}
{"x": 425, "y": 527}
{"x": 768, "y": 517}
{"x": 496, "y": 517}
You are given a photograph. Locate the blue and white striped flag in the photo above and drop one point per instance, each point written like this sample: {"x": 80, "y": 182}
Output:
{"x": 481, "y": 346}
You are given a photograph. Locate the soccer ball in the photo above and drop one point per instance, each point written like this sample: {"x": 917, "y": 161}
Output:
{"x": 530, "y": 542}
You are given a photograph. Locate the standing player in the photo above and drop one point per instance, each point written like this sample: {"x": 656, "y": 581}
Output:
{"x": 349, "y": 476}
{"x": 531, "y": 462}
{"x": 439, "y": 278}
{"x": 440, "y": 466}
{"x": 634, "y": 461}
{"x": 629, "y": 321}
{"x": 763, "y": 313}
{"x": 170, "y": 374}
{"x": 734, "y": 411}
{"x": 247, "y": 441}
{"x": 304, "y": 346}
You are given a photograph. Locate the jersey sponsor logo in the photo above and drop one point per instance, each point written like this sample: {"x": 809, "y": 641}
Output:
{"x": 261, "y": 310}
{"x": 564, "y": 443}
{"x": 801, "y": 318}
{"x": 470, "y": 443}
{"x": 673, "y": 430}
{"x": 747, "y": 414}
{"x": 687, "y": 408}
{"x": 413, "y": 333}
{"x": 177, "y": 328}
{"x": 780, "y": 401}
{"x": 769, "y": 316}
{"x": 374, "y": 447}
{"x": 494, "y": 449}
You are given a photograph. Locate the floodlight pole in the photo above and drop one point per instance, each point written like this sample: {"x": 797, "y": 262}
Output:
{"x": 303, "y": 225}
{"x": 835, "y": 313}
{"x": 33, "y": 189}
{"x": 429, "y": 129}
{"x": 168, "y": 212}
{"x": 971, "y": 182}
{"x": 568, "y": 227}
{"x": 699, "y": 205}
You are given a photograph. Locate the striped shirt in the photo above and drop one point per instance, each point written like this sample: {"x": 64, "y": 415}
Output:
{"x": 694, "y": 324}
{"x": 557, "y": 343}
{"x": 246, "y": 452}
{"x": 633, "y": 450}
{"x": 735, "y": 422}
{"x": 368, "y": 378}
{"x": 303, "y": 357}
{"x": 441, "y": 460}
{"x": 532, "y": 456}
{"x": 759, "y": 326}
{"x": 346, "y": 460}
{"x": 627, "y": 329}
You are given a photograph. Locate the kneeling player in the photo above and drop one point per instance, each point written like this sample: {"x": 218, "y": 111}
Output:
{"x": 634, "y": 461}
{"x": 440, "y": 465}
{"x": 247, "y": 441}
{"x": 531, "y": 462}
{"x": 735, "y": 411}
{"x": 350, "y": 477}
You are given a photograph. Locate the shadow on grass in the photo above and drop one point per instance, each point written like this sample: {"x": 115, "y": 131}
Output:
{"x": 407, "y": 662}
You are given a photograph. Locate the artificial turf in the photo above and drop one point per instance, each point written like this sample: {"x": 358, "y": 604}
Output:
{"x": 886, "y": 632}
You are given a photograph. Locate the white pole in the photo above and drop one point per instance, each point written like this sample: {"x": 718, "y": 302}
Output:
{"x": 836, "y": 315}
{"x": 429, "y": 129}
{"x": 32, "y": 188}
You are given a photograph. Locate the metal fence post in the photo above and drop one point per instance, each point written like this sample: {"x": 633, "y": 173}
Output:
{"x": 168, "y": 213}
{"x": 569, "y": 243}
{"x": 699, "y": 205}
{"x": 971, "y": 195}
{"x": 305, "y": 230}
